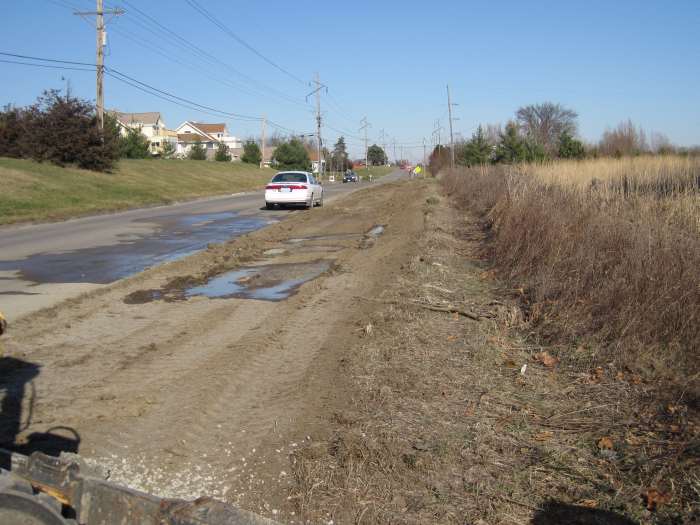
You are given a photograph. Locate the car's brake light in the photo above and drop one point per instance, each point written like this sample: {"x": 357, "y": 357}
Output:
{"x": 273, "y": 187}
{"x": 299, "y": 187}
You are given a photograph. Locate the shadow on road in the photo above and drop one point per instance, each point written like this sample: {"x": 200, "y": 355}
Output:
{"x": 18, "y": 397}
{"x": 557, "y": 513}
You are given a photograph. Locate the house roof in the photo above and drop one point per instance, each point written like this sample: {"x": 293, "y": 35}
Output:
{"x": 148, "y": 118}
{"x": 192, "y": 137}
{"x": 210, "y": 128}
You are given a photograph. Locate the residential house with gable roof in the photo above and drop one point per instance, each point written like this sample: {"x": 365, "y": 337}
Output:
{"x": 210, "y": 135}
{"x": 150, "y": 124}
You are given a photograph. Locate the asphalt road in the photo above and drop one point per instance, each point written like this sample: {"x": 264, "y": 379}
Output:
{"x": 41, "y": 265}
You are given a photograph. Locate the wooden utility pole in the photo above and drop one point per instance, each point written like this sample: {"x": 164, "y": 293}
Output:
{"x": 317, "y": 92}
{"x": 101, "y": 42}
{"x": 262, "y": 142}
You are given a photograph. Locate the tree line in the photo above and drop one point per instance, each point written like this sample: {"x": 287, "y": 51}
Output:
{"x": 546, "y": 131}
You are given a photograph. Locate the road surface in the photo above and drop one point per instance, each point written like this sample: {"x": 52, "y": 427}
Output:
{"x": 41, "y": 265}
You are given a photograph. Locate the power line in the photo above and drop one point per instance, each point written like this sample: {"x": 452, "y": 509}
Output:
{"x": 72, "y": 62}
{"x": 46, "y": 65}
{"x": 208, "y": 108}
{"x": 182, "y": 42}
{"x": 142, "y": 86}
{"x": 195, "y": 5}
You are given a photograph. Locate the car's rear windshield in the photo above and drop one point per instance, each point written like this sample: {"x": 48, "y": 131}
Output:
{"x": 289, "y": 177}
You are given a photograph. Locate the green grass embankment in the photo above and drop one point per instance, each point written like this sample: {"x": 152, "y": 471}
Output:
{"x": 30, "y": 191}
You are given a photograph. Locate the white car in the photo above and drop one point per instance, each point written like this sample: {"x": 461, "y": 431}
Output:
{"x": 293, "y": 188}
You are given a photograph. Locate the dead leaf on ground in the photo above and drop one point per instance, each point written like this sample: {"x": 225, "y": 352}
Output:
{"x": 544, "y": 436}
{"x": 547, "y": 359}
{"x": 589, "y": 503}
{"x": 451, "y": 338}
{"x": 605, "y": 443}
{"x": 654, "y": 498}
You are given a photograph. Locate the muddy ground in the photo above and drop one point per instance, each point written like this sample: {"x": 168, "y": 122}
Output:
{"x": 351, "y": 364}
{"x": 182, "y": 394}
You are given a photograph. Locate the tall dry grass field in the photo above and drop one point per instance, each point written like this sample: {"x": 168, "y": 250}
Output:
{"x": 604, "y": 252}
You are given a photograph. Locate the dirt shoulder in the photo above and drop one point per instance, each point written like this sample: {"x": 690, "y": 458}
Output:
{"x": 184, "y": 395}
{"x": 456, "y": 417}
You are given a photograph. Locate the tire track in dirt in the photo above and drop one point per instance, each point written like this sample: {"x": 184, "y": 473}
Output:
{"x": 163, "y": 389}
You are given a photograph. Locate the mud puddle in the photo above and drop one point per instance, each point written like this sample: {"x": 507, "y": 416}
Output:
{"x": 174, "y": 237}
{"x": 271, "y": 282}
{"x": 267, "y": 283}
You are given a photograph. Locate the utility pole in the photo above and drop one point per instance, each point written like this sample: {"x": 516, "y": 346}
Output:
{"x": 364, "y": 126}
{"x": 452, "y": 143}
{"x": 262, "y": 142}
{"x": 396, "y": 160}
{"x": 317, "y": 92}
{"x": 425, "y": 158}
{"x": 101, "y": 42}
{"x": 382, "y": 140}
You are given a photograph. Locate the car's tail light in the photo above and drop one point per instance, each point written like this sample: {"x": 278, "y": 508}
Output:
{"x": 299, "y": 187}
{"x": 273, "y": 187}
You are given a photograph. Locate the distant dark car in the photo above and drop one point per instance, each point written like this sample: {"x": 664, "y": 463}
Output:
{"x": 351, "y": 176}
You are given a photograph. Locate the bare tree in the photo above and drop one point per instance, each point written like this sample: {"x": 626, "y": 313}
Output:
{"x": 493, "y": 133}
{"x": 660, "y": 143}
{"x": 544, "y": 123}
{"x": 625, "y": 139}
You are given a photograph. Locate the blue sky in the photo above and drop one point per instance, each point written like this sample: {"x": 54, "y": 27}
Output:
{"x": 389, "y": 61}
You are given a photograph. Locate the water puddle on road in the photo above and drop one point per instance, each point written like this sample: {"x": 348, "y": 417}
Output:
{"x": 173, "y": 237}
{"x": 267, "y": 283}
{"x": 376, "y": 231}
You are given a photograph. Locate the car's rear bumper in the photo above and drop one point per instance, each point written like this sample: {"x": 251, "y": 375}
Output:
{"x": 292, "y": 197}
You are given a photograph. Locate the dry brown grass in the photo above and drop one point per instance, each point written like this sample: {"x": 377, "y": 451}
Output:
{"x": 442, "y": 425}
{"x": 618, "y": 260}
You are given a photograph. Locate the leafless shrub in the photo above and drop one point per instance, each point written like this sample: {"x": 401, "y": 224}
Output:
{"x": 625, "y": 139}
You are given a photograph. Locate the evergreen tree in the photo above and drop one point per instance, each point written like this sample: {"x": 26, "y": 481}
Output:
{"x": 570, "y": 148}
{"x": 512, "y": 148}
{"x": 339, "y": 157}
{"x": 292, "y": 155}
{"x": 197, "y": 152}
{"x": 477, "y": 151}
{"x": 134, "y": 145}
{"x": 222, "y": 154}
{"x": 251, "y": 153}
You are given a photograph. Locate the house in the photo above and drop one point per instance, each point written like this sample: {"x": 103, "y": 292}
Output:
{"x": 150, "y": 124}
{"x": 210, "y": 135}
